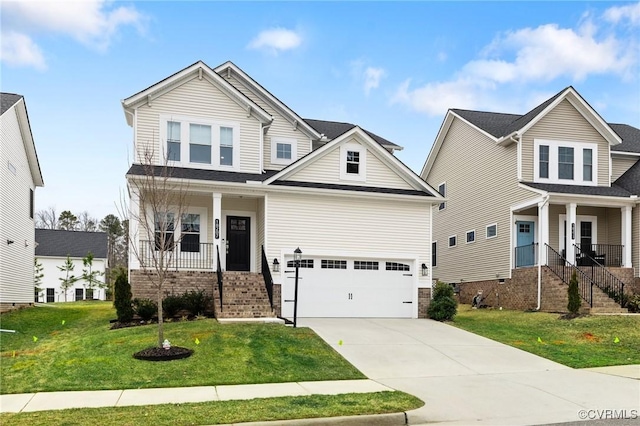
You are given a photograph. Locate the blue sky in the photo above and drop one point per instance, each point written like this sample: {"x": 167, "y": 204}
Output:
{"x": 393, "y": 68}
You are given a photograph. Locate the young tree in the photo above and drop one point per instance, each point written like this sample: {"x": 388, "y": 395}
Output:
{"x": 89, "y": 276}
{"x": 443, "y": 306}
{"x": 574, "y": 295}
{"x": 69, "y": 280}
{"x": 38, "y": 274}
{"x": 112, "y": 226}
{"x": 161, "y": 203}
{"x": 47, "y": 219}
{"x": 122, "y": 296}
{"x": 87, "y": 223}
{"x": 67, "y": 221}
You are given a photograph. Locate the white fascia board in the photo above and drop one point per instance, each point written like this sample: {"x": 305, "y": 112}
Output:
{"x": 28, "y": 142}
{"x": 526, "y": 204}
{"x": 352, "y": 194}
{"x": 435, "y": 148}
{"x": 267, "y": 97}
{"x": 583, "y": 199}
{"x": 624, "y": 154}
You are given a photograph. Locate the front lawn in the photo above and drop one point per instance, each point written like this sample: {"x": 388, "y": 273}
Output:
{"x": 70, "y": 347}
{"x": 591, "y": 341}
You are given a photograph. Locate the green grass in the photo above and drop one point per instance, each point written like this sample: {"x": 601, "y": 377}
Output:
{"x": 579, "y": 343}
{"x": 224, "y": 411}
{"x": 83, "y": 354}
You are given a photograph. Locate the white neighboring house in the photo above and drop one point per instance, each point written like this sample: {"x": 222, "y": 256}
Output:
{"x": 263, "y": 181}
{"x": 53, "y": 247}
{"x": 19, "y": 176}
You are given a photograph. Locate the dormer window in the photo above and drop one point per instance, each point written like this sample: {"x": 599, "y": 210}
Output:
{"x": 353, "y": 164}
{"x": 284, "y": 150}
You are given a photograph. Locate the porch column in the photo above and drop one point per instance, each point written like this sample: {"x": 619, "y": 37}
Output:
{"x": 543, "y": 230}
{"x": 134, "y": 233}
{"x": 217, "y": 226}
{"x": 571, "y": 232}
{"x": 626, "y": 236}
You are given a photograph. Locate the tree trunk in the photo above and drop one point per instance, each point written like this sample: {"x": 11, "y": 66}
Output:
{"x": 160, "y": 322}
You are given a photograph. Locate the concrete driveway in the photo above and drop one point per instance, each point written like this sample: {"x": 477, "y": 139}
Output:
{"x": 467, "y": 379}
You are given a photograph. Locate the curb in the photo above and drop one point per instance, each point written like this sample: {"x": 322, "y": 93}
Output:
{"x": 391, "y": 419}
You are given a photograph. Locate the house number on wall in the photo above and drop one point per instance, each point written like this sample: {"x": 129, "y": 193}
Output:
{"x": 573, "y": 231}
{"x": 217, "y": 229}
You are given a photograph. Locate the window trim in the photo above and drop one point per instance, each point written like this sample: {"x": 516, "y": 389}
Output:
{"x": 434, "y": 254}
{"x": 274, "y": 154}
{"x": 471, "y": 231}
{"x": 185, "y": 122}
{"x": 442, "y": 205}
{"x": 486, "y": 233}
{"x": 455, "y": 237}
{"x": 362, "y": 168}
{"x": 578, "y": 162}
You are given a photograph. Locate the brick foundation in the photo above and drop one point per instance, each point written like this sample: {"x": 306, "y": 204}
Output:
{"x": 424, "y": 300}
{"x": 6, "y": 307}
{"x": 277, "y": 299}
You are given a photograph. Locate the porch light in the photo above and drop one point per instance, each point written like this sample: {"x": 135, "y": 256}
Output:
{"x": 425, "y": 270}
{"x": 276, "y": 265}
{"x": 297, "y": 256}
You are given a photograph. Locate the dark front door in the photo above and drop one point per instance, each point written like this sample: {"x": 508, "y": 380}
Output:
{"x": 238, "y": 243}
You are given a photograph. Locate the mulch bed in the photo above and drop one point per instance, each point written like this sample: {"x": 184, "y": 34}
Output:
{"x": 160, "y": 354}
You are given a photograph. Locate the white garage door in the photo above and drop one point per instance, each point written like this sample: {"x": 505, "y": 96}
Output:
{"x": 347, "y": 288}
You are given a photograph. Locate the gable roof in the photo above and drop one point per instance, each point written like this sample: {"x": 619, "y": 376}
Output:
{"x": 630, "y": 180}
{"x": 630, "y": 138}
{"x": 606, "y": 191}
{"x": 202, "y": 174}
{"x": 60, "y": 243}
{"x": 197, "y": 70}
{"x": 503, "y": 127}
{"x": 7, "y": 102}
{"x": 333, "y": 129}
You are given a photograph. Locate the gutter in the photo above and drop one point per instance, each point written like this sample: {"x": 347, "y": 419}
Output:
{"x": 545, "y": 201}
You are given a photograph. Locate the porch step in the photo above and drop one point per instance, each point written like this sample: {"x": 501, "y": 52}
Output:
{"x": 243, "y": 296}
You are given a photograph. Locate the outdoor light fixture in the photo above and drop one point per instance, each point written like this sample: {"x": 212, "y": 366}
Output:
{"x": 297, "y": 256}
{"x": 425, "y": 270}
{"x": 276, "y": 265}
{"x": 11, "y": 242}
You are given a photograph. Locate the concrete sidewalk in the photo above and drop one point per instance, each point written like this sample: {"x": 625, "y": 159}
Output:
{"x": 40, "y": 401}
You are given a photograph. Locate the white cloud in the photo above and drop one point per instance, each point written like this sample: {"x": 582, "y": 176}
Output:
{"x": 90, "y": 22}
{"x": 629, "y": 12}
{"x": 372, "y": 77}
{"x": 529, "y": 55}
{"x": 19, "y": 50}
{"x": 276, "y": 39}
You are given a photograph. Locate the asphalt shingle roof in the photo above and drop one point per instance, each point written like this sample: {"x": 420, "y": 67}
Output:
{"x": 612, "y": 191}
{"x": 630, "y": 138}
{"x": 7, "y": 100}
{"x": 351, "y": 188}
{"x": 630, "y": 180}
{"x": 200, "y": 174}
{"x": 333, "y": 129}
{"x": 55, "y": 242}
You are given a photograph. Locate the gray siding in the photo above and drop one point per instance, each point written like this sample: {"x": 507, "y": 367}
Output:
{"x": 16, "y": 259}
{"x": 564, "y": 123}
{"x": 482, "y": 185}
{"x": 619, "y": 165}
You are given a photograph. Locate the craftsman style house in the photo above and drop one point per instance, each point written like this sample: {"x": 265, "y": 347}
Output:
{"x": 19, "y": 176}
{"x": 262, "y": 181}
{"x": 556, "y": 187}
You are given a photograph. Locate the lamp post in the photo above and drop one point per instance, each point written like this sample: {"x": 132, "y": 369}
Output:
{"x": 297, "y": 256}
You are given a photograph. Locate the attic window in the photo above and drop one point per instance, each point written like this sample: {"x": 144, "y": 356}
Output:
{"x": 353, "y": 162}
{"x": 283, "y": 150}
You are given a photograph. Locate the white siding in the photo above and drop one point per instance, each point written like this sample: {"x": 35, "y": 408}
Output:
{"x": 51, "y": 277}
{"x": 349, "y": 226}
{"x": 619, "y": 165}
{"x": 327, "y": 170}
{"x": 16, "y": 259}
{"x": 635, "y": 239}
{"x": 198, "y": 99}
{"x": 481, "y": 186}
{"x": 280, "y": 127}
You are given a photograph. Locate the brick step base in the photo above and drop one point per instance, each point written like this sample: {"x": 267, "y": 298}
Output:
{"x": 243, "y": 296}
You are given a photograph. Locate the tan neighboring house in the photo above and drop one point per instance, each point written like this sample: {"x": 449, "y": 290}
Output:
{"x": 19, "y": 176}
{"x": 262, "y": 182}
{"x": 532, "y": 197}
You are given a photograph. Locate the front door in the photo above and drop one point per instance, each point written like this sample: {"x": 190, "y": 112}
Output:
{"x": 238, "y": 243}
{"x": 525, "y": 248}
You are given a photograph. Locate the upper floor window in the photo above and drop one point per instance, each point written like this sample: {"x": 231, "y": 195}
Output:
{"x": 283, "y": 150}
{"x": 202, "y": 142}
{"x": 353, "y": 164}
{"x": 562, "y": 162}
{"x": 442, "y": 189}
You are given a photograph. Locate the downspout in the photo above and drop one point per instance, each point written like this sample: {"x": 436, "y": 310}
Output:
{"x": 545, "y": 201}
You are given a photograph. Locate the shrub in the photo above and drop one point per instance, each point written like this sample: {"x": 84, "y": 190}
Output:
{"x": 443, "y": 306}
{"x": 633, "y": 303}
{"x": 172, "y": 304}
{"x": 196, "y": 302}
{"x": 122, "y": 300}
{"x": 574, "y": 295}
{"x": 145, "y": 308}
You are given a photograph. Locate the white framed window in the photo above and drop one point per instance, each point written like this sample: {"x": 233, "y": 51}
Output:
{"x": 442, "y": 189}
{"x": 190, "y": 233}
{"x": 396, "y": 266}
{"x": 284, "y": 150}
{"x": 333, "y": 264}
{"x": 365, "y": 265}
{"x": 573, "y": 163}
{"x": 353, "y": 162}
{"x": 200, "y": 142}
{"x": 471, "y": 236}
{"x": 492, "y": 231}
{"x": 453, "y": 241}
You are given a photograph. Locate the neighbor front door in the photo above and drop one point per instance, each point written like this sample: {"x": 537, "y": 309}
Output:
{"x": 238, "y": 243}
{"x": 525, "y": 251}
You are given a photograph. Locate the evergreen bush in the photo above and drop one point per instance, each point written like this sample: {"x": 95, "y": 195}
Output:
{"x": 122, "y": 299}
{"x": 443, "y": 306}
{"x": 145, "y": 308}
{"x": 173, "y": 304}
{"x": 574, "y": 295}
{"x": 196, "y": 302}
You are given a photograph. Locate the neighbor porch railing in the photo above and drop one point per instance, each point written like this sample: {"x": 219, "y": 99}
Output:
{"x": 183, "y": 256}
{"x": 605, "y": 280}
{"x": 609, "y": 255}
{"x": 564, "y": 270}
{"x": 268, "y": 279}
{"x": 526, "y": 255}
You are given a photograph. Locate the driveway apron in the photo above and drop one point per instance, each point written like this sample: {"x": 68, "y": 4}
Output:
{"x": 467, "y": 379}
